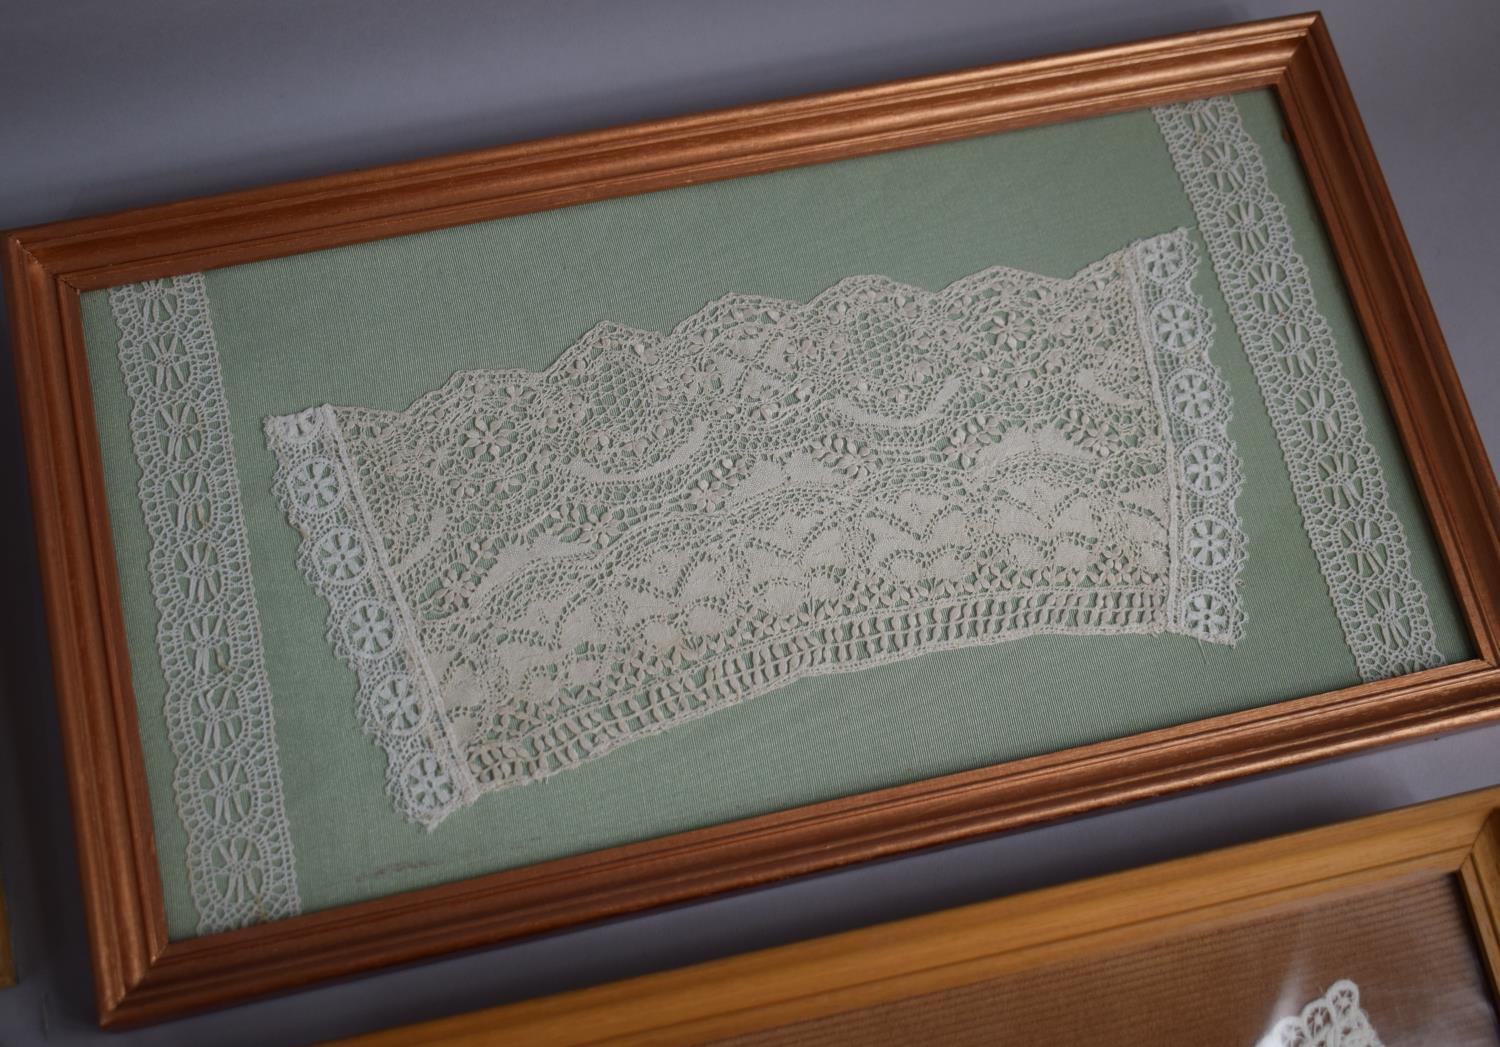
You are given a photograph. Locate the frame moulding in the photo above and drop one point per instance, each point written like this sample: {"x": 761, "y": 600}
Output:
{"x": 142, "y": 976}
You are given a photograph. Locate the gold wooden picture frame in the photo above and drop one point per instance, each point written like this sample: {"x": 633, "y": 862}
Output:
{"x": 810, "y": 985}
{"x": 142, "y": 975}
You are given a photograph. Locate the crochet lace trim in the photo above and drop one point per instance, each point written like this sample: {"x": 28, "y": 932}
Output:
{"x": 1336, "y": 475}
{"x": 1334, "y": 1019}
{"x": 218, "y": 701}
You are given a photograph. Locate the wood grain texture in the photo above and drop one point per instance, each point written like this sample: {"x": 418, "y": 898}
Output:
{"x": 975, "y": 943}
{"x": 141, "y": 976}
{"x": 1408, "y": 944}
{"x": 1480, "y": 876}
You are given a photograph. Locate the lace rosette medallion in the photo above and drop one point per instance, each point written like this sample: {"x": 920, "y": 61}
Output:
{"x": 527, "y": 570}
{"x": 1334, "y": 1019}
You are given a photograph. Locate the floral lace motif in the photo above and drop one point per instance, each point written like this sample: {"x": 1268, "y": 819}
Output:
{"x": 527, "y": 570}
{"x": 1335, "y": 473}
{"x": 1334, "y": 1019}
{"x": 218, "y": 701}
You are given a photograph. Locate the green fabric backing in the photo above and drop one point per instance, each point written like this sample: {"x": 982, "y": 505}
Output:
{"x": 380, "y": 323}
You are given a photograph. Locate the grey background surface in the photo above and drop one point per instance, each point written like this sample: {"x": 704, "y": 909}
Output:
{"x": 107, "y": 105}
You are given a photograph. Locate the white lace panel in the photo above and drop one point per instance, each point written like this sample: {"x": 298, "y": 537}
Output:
{"x": 1334, "y": 1019}
{"x": 1336, "y": 474}
{"x": 527, "y": 570}
{"x": 218, "y": 701}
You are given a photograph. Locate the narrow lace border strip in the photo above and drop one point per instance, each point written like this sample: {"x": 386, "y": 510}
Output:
{"x": 1336, "y": 476}
{"x": 1193, "y": 402}
{"x": 370, "y": 625}
{"x": 218, "y": 700}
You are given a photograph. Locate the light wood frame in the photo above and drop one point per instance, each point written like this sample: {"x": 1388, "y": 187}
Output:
{"x": 142, "y": 976}
{"x": 1457, "y": 837}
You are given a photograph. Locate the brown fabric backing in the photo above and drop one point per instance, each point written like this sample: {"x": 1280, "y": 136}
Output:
{"x": 1409, "y": 948}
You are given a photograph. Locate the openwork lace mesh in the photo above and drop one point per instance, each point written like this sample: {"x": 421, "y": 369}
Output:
{"x": 1336, "y": 474}
{"x": 218, "y": 701}
{"x": 527, "y": 570}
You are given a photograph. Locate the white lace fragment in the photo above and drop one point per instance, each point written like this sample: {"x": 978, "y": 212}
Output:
{"x": 1336, "y": 475}
{"x": 218, "y": 701}
{"x": 1334, "y": 1019}
{"x": 527, "y": 570}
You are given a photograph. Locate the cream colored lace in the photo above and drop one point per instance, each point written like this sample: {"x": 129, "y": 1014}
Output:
{"x": 218, "y": 700}
{"x": 1336, "y": 475}
{"x": 527, "y": 570}
{"x": 1334, "y": 1019}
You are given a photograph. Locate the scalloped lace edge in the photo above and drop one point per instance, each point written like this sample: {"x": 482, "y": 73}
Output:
{"x": 1334, "y": 1019}
{"x": 400, "y": 702}
{"x": 217, "y": 703}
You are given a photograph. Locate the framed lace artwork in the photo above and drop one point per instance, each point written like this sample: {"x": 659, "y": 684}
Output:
{"x": 1372, "y": 932}
{"x": 481, "y": 546}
